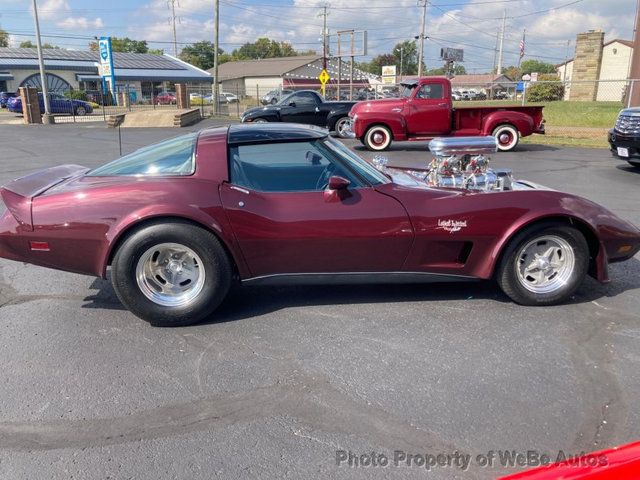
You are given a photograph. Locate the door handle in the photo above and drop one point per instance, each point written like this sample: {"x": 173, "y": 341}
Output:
{"x": 242, "y": 190}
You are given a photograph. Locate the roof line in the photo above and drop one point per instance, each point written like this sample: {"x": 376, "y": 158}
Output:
{"x": 188, "y": 65}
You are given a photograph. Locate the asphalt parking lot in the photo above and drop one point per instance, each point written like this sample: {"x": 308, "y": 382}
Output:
{"x": 280, "y": 379}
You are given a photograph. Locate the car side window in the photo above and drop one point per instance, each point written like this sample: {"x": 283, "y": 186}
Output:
{"x": 430, "y": 92}
{"x": 304, "y": 98}
{"x": 285, "y": 167}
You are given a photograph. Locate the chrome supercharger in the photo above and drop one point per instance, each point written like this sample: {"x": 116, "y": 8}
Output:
{"x": 463, "y": 162}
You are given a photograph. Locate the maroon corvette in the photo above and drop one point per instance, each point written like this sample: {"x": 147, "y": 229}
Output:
{"x": 179, "y": 221}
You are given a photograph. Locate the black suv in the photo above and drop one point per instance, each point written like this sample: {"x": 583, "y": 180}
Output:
{"x": 624, "y": 138}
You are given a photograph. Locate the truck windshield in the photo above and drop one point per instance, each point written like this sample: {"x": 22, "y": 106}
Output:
{"x": 406, "y": 90}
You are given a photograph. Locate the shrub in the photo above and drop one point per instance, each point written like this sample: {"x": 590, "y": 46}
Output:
{"x": 547, "y": 89}
{"x": 76, "y": 95}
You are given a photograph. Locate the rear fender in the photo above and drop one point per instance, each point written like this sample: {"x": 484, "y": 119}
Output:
{"x": 119, "y": 231}
{"x": 523, "y": 122}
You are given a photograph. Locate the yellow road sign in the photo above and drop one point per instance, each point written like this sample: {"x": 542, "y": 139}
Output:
{"x": 323, "y": 77}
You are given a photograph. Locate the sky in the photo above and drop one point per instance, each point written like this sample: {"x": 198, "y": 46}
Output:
{"x": 551, "y": 25}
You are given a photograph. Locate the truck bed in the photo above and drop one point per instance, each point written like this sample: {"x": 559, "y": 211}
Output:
{"x": 468, "y": 120}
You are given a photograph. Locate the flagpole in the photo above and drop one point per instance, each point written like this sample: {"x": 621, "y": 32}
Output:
{"x": 522, "y": 46}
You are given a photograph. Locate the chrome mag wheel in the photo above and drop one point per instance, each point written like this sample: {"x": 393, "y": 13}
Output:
{"x": 170, "y": 274}
{"x": 545, "y": 265}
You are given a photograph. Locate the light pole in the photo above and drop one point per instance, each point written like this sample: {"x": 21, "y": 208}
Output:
{"x": 216, "y": 92}
{"x": 43, "y": 77}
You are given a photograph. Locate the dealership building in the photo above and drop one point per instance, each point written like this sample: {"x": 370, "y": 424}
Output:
{"x": 139, "y": 73}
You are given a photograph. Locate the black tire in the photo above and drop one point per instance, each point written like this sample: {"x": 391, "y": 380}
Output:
{"x": 338, "y": 127}
{"x": 81, "y": 111}
{"x": 507, "y": 136}
{"x": 634, "y": 164}
{"x": 217, "y": 273}
{"x": 372, "y": 143}
{"x": 274, "y": 101}
{"x": 260, "y": 120}
{"x": 510, "y": 280}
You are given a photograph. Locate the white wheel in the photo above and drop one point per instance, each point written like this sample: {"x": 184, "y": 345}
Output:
{"x": 377, "y": 138}
{"x": 507, "y": 136}
{"x": 259, "y": 120}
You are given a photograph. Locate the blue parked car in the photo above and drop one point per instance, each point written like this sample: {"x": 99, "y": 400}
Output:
{"x": 58, "y": 103}
{"x": 4, "y": 97}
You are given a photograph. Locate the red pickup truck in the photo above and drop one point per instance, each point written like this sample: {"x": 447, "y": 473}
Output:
{"x": 425, "y": 110}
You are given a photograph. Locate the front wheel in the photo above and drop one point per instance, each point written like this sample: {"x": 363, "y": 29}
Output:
{"x": 171, "y": 274}
{"x": 507, "y": 137}
{"x": 259, "y": 120}
{"x": 377, "y": 138}
{"x": 544, "y": 265}
{"x": 634, "y": 164}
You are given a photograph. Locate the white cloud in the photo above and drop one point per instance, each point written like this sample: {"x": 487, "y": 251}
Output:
{"x": 53, "y": 9}
{"x": 472, "y": 27}
{"x": 80, "y": 23}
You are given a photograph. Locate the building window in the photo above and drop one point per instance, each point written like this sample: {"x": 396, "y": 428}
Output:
{"x": 615, "y": 50}
{"x": 54, "y": 83}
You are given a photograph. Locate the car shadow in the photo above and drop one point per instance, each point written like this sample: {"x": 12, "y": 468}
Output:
{"x": 252, "y": 301}
{"x": 629, "y": 168}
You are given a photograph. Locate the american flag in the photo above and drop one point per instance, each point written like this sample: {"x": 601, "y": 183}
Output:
{"x": 522, "y": 45}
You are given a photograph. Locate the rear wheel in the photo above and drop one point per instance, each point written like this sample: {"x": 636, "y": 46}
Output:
{"x": 81, "y": 111}
{"x": 543, "y": 265}
{"x": 507, "y": 137}
{"x": 342, "y": 127}
{"x": 377, "y": 138}
{"x": 171, "y": 274}
{"x": 274, "y": 101}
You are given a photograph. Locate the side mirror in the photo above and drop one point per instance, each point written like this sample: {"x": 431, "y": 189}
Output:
{"x": 292, "y": 104}
{"x": 338, "y": 183}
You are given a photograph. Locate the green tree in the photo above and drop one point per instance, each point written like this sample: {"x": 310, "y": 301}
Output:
{"x": 530, "y": 66}
{"x": 513, "y": 73}
{"x": 263, "y": 48}
{"x": 4, "y": 38}
{"x": 30, "y": 44}
{"x": 124, "y": 45}
{"x": 376, "y": 63}
{"x": 201, "y": 54}
{"x": 406, "y": 54}
{"x": 457, "y": 70}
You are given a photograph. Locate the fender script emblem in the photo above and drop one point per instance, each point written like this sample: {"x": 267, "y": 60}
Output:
{"x": 452, "y": 226}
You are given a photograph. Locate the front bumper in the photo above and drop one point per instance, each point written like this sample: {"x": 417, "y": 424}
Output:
{"x": 630, "y": 142}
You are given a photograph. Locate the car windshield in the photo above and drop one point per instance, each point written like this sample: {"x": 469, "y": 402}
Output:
{"x": 285, "y": 100}
{"x": 171, "y": 157}
{"x": 360, "y": 166}
{"x": 406, "y": 90}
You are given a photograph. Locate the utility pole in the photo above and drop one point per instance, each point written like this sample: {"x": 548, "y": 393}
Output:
{"x": 401, "y": 60}
{"x": 424, "y": 18}
{"x": 325, "y": 37}
{"x": 566, "y": 60}
{"x": 216, "y": 93}
{"x": 500, "y": 51}
{"x": 172, "y": 6}
{"x": 495, "y": 51}
{"x": 633, "y": 91}
{"x": 43, "y": 77}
